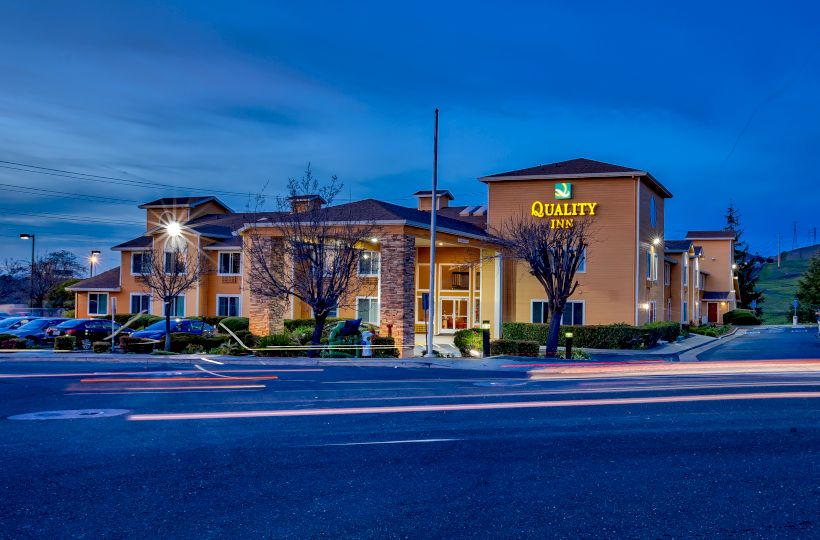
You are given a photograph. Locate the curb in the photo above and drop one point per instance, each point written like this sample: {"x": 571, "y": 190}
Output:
{"x": 692, "y": 354}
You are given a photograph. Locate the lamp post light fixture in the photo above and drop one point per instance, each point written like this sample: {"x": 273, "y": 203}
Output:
{"x": 93, "y": 259}
{"x": 656, "y": 241}
{"x": 568, "y": 345}
{"x": 27, "y": 236}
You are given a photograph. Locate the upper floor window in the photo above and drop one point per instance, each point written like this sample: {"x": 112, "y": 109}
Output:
{"x": 651, "y": 266}
{"x": 667, "y": 271}
{"x": 140, "y": 263}
{"x": 685, "y": 270}
{"x": 230, "y": 263}
{"x": 174, "y": 262}
{"x": 369, "y": 262}
{"x": 653, "y": 212}
{"x": 582, "y": 265}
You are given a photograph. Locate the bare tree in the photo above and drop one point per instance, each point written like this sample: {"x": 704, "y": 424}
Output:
{"x": 309, "y": 249}
{"x": 169, "y": 271}
{"x": 552, "y": 256}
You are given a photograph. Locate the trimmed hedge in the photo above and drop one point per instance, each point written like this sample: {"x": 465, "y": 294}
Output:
{"x": 101, "y": 346}
{"x": 514, "y": 347}
{"x": 65, "y": 343}
{"x": 669, "y": 331}
{"x": 711, "y": 330}
{"x": 13, "y": 343}
{"x": 192, "y": 343}
{"x": 136, "y": 345}
{"x": 4, "y": 337}
{"x": 609, "y": 336}
{"x": 384, "y": 353}
{"x": 235, "y": 323}
{"x": 742, "y": 317}
{"x": 144, "y": 320}
{"x": 277, "y": 340}
{"x": 292, "y": 324}
{"x": 469, "y": 339}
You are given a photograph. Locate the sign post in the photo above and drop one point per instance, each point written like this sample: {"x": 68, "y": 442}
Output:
{"x": 794, "y": 318}
{"x": 113, "y": 312}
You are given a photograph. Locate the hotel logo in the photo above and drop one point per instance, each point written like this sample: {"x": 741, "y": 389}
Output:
{"x": 563, "y": 191}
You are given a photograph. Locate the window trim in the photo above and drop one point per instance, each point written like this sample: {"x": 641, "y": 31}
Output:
{"x": 544, "y": 300}
{"x": 219, "y": 255}
{"x": 105, "y": 304}
{"x": 378, "y": 309}
{"x": 238, "y": 304}
{"x": 131, "y": 301}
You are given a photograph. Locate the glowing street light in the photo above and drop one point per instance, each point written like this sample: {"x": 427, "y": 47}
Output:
{"x": 93, "y": 259}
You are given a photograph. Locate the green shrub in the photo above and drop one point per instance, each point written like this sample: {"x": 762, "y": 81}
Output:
{"x": 711, "y": 330}
{"x": 235, "y": 323}
{"x": 669, "y": 331}
{"x": 136, "y": 345}
{"x": 213, "y": 320}
{"x": 277, "y": 340}
{"x": 101, "y": 346}
{"x": 384, "y": 353}
{"x": 181, "y": 342}
{"x": 577, "y": 354}
{"x": 290, "y": 324}
{"x": 4, "y": 337}
{"x": 13, "y": 343}
{"x": 741, "y": 316}
{"x": 194, "y": 348}
{"x": 514, "y": 347}
{"x": 65, "y": 343}
{"x": 609, "y": 336}
{"x": 70, "y": 313}
{"x": 142, "y": 321}
{"x": 467, "y": 340}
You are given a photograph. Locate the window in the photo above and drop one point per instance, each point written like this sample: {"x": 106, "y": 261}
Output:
{"x": 653, "y": 311}
{"x": 229, "y": 263}
{"x": 176, "y": 307}
{"x": 332, "y": 312}
{"x": 573, "y": 313}
{"x": 685, "y": 270}
{"x": 685, "y": 313}
{"x": 653, "y": 212}
{"x": 667, "y": 270}
{"x": 655, "y": 260}
{"x": 140, "y": 263}
{"x": 476, "y": 311}
{"x": 477, "y": 285}
{"x": 454, "y": 277}
{"x": 369, "y": 263}
{"x": 367, "y": 309}
{"x": 227, "y": 305}
{"x": 174, "y": 262}
{"x": 648, "y": 265}
{"x": 140, "y": 303}
{"x": 582, "y": 265}
{"x": 97, "y": 303}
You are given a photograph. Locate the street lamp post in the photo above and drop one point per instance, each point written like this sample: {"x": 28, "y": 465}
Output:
{"x": 26, "y": 236}
{"x": 93, "y": 259}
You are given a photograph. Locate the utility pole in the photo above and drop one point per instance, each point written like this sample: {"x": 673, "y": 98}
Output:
{"x": 433, "y": 210}
{"x": 778, "y": 250}
{"x": 794, "y": 234}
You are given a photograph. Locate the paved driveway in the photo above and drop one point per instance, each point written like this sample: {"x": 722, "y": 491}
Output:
{"x": 766, "y": 343}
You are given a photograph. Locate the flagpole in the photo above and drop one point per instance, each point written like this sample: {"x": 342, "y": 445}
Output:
{"x": 431, "y": 317}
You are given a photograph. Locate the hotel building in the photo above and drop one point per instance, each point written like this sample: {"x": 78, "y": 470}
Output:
{"x": 630, "y": 272}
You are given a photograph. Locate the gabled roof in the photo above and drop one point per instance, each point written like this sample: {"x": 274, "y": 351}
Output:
{"x": 711, "y": 235}
{"x": 104, "y": 281}
{"x": 140, "y": 243}
{"x": 575, "y": 168}
{"x": 677, "y": 246}
{"x": 185, "y": 202}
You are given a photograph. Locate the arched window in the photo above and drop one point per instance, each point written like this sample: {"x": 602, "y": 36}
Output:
{"x": 175, "y": 255}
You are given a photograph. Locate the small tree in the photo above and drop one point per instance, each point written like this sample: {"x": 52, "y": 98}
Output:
{"x": 169, "y": 271}
{"x": 313, "y": 252}
{"x": 808, "y": 291}
{"x": 50, "y": 271}
{"x": 552, "y": 257}
{"x": 748, "y": 266}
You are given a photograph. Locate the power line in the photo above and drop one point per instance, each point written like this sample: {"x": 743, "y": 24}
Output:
{"x": 67, "y": 217}
{"x": 66, "y": 194}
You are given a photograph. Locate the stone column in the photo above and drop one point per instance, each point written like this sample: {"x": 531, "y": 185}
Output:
{"x": 398, "y": 290}
{"x": 266, "y": 315}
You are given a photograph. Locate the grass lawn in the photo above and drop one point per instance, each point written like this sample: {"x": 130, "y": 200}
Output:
{"x": 779, "y": 286}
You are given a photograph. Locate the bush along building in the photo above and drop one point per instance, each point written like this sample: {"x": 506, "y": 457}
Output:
{"x": 630, "y": 272}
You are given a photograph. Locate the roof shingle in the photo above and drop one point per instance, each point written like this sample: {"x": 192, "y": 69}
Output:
{"x": 104, "y": 281}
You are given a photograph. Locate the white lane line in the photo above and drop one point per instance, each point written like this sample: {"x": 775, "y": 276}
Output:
{"x": 409, "y": 441}
{"x": 211, "y": 372}
{"x": 211, "y": 361}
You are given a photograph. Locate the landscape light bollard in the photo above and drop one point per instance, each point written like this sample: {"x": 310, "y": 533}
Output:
{"x": 568, "y": 346}
{"x": 485, "y": 338}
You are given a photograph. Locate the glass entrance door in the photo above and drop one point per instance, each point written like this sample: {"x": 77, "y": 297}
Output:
{"x": 453, "y": 314}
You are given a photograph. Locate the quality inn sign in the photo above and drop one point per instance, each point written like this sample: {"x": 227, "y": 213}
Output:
{"x": 562, "y": 214}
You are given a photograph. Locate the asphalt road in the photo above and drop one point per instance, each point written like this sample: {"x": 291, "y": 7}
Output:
{"x": 766, "y": 343}
{"x": 405, "y": 453}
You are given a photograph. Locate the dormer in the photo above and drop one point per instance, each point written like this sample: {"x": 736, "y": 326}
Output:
{"x": 425, "y": 199}
{"x": 181, "y": 209}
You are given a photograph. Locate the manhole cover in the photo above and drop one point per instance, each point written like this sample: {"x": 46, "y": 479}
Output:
{"x": 69, "y": 414}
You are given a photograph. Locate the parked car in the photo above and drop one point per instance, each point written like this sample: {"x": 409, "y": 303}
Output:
{"x": 87, "y": 331}
{"x": 178, "y": 326}
{"x": 13, "y": 323}
{"x": 35, "y": 331}
{"x": 4, "y": 315}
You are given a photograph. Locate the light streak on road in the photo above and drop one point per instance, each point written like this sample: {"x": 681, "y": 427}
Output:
{"x": 678, "y": 368}
{"x": 120, "y": 373}
{"x": 160, "y": 379}
{"x": 408, "y": 441}
{"x": 198, "y": 387}
{"x": 473, "y": 406}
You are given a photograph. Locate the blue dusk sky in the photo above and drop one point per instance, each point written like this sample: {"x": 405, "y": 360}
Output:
{"x": 718, "y": 100}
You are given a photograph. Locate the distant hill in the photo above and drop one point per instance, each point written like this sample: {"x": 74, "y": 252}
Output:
{"x": 806, "y": 252}
{"x": 779, "y": 285}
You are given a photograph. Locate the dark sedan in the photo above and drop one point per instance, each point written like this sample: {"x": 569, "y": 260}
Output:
{"x": 87, "y": 331}
{"x": 178, "y": 326}
{"x": 13, "y": 323}
{"x": 34, "y": 332}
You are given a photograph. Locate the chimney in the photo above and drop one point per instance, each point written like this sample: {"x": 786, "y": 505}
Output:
{"x": 305, "y": 203}
{"x": 425, "y": 199}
